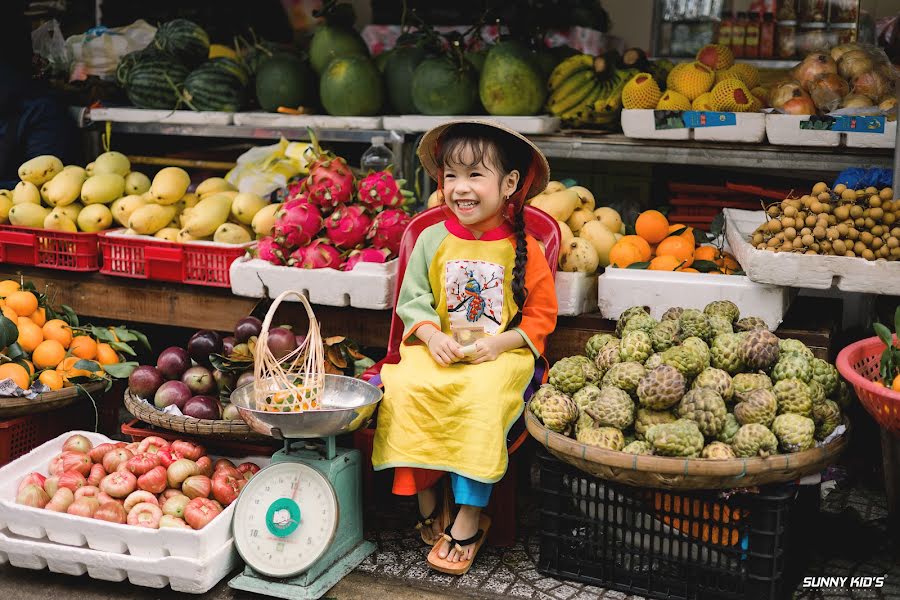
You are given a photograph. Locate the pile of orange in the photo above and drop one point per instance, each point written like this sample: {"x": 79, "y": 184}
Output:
{"x": 52, "y": 346}
{"x": 667, "y": 247}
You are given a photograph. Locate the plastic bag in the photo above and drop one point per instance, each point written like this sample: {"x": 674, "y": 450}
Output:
{"x": 47, "y": 41}
{"x": 856, "y": 178}
{"x": 97, "y": 52}
{"x": 264, "y": 169}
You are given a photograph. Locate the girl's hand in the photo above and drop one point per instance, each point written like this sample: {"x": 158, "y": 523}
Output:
{"x": 444, "y": 349}
{"x": 486, "y": 349}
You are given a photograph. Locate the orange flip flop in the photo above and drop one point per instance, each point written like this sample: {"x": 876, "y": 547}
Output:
{"x": 459, "y": 568}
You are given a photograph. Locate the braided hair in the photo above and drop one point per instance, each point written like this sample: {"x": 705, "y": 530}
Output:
{"x": 470, "y": 144}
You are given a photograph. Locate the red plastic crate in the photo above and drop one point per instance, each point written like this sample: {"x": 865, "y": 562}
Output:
{"x": 20, "y": 435}
{"x": 138, "y": 430}
{"x": 51, "y": 249}
{"x": 141, "y": 258}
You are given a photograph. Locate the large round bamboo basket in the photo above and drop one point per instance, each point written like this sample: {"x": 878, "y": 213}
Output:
{"x": 11, "y": 407}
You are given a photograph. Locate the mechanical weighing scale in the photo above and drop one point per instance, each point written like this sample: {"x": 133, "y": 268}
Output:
{"x": 298, "y": 523}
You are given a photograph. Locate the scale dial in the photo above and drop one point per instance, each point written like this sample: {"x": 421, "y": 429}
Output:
{"x": 285, "y": 519}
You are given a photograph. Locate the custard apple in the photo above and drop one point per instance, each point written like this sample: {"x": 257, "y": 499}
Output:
{"x": 694, "y": 323}
{"x": 681, "y": 438}
{"x": 664, "y": 335}
{"x": 613, "y": 408}
{"x": 827, "y": 417}
{"x": 793, "y": 397}
{"x": 758, "y": 406}
{"x": 825, "y": 373}
{"x": 719, "y": 325}
{"x": 724, "y": 353}
{"x": 723, "y": 308}
{"x": 731, "y": 427}
{"x": 596, "y": 343}
{"x": 754, "y": 439}
{"x": 584, "y": 421}
{"x": 608, "y": 356}
{"x": 792, "y": 366}
{"x": 639, "y": 447}
{"x": 816, "y": 392}
{"x": 602, "y": 437}
{"x": 654, "y": 361}
{"x": 759, "y": 349}
{"x": 647, "y": 418}
{"x": 747, "y": 382}
{"x": 586, "y": 395}
{"x": 537, "y": 397}
{"x": 700, "y": 347}
{"x": 792, "y": 346}
{"x": 591, "y": 372}
{"x": 661, "y": 388}
{"x": 717, "y": 380}
{"x": 567, "y": 375}
{"x": 624, "y": 376}
{"x": 641, "y": 322}
{"x": 672, "y": 314}
{"x": 794, "y": 432}
{"x": 717, "y": 451}
{"x": 750, "y": 323}
{"x": 688, "y": 361}
{"x": 626, "y": 315}
{"x": 635, "y": 346}
{"x": 558, "y": 412}
{"x": 629, "y": 437}
{"x": 706, "y": 408}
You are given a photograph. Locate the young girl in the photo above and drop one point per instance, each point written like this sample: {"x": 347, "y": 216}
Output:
{"x": 449, "y": 403}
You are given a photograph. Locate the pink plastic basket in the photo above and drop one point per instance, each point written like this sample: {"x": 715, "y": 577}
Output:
{"x": 859, "y": 364}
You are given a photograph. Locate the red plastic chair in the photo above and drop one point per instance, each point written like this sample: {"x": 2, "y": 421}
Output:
{"x": 545, "y": 230}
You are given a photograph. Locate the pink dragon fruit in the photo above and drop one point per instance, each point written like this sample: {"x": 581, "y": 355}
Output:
{"x": 370, "y": 255}
{"x": 269, "y": 250}
{"x": 298, "y": 225}
{"x": 330, "y": 180}
{"x": 387, "y": 230}
{"x": 295, "y": 200}
{"x": 297, "y": 257}
{"x": 347, "y": 226}
{"x": 320, "y": 255}
{"x": 294, "y": 190}
{"x": 380, "y": 190}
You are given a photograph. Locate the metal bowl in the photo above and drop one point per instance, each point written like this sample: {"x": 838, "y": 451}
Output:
{"x": 346, "y": 404}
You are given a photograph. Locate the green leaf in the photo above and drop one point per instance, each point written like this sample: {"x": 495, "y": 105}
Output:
{"x": 124, "y": 335}
{"x": 678, "y": 232}
{"x": 638, "y": 265}
{"x": 70, "y": 317}
{"x": 887, "y": 365}
{"x": 701, "y": 237}
{"x": 122, "y": 347}
{"x": 121, "y": 370}
{"x": 884, "y": 333}
{"x": 718, "y": 224}
{"x": 738, "y": 272}
{"x": 87, "y": 365}
{"x": 705, "y": 266}
{"x": 142, "y": 339}
{"x": 9, "y": 333}
{"x": 14, "y": 351}
{"x": 104, "y": 335}
{"x": 897, "y": 321}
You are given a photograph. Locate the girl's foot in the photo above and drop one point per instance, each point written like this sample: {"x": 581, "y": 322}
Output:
{"x": 465, "y": 526}
{"x": 430, "y": 515}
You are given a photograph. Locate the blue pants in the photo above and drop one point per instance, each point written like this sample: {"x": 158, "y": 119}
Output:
{"x": 470, "y": 492}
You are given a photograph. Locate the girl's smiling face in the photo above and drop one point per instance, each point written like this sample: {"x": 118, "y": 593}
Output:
{"x": 476, "y": 188}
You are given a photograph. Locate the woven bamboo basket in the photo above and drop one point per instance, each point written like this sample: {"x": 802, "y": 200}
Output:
{"x": 684, "y": 473}
{"x": 218, "y": 429}
{"x": 19, "y": 407}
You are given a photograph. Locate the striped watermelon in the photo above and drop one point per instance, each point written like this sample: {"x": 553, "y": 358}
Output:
{"x": 210, "y": 87}
{"x": 127, "y": 62}
{"x": 155, "y": 84}
{"x": 183, "y": 39}
{"x": 232, "y": 66}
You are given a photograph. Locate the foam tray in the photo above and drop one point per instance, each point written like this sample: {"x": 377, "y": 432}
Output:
{"x": 641, "y": 124}
{"x": 172, "y": 117}
{"x": 576, "y": 293}
{"x": 888, "y": 139}
{"x": 266, "y": 119}
{"x": 784, "y": 130}
{"x": 535, "y": 125}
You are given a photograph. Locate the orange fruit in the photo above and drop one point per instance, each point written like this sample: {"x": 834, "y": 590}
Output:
{"x": 652, "y": 225}
{"x": 715, "y": 273}
{"x": 84, "y": 347}
{"x": 52, "y": 379}
{"x": 10, "y": 314}
{"x": 687, "y": 234}
{"x": 641, "y": 244}
{"x": 710, "y": 253}
{"x": 664, "y": 262}
{"x": 7, "y": 287}
{"x": 688, "y": 270}
{"x": 678, "y": 247}
{"x": 623, "y": 254}
{"x": 106, "y": 355}
{"x": 39, "y": 317}
{"x": 30, "y": 335}
{"x": 59, "y": 330}
{"x": 896, "y": 384}
{"x": 24, "y": 303}
{"x": 17, "y": 373}
{"x": 731, "y": 264}
{"x": 29, "y": 366}
{"x": 48, "y": 354}
{"x": 67, "y": 368}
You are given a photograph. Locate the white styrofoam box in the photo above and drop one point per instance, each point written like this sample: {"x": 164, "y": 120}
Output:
{"x": 535, "y": 125}
{"x": 802, "y": 271}
{"x": 182, "y": 574}
{"x": 784, "y": 130}
{"x": 102, "y": 536}
{"x": 368, "y": 285}
{"x": 576, "y": 293}
{"x": 888, "y": 139}
{"x": 172, "y": 117}
{"x": 266, "y": 119}
{"x": 641, "y": 124}
{"x": 619, "y": 289}
{"x": 750, "y": 128}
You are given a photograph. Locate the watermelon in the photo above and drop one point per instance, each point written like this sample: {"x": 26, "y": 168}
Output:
{"x": 285, "y": 80}
{"x": 156, "y": 84}
{"x": 183, "y": 39}
{"x": 351, "y": 87}
{"x": 209, "y": 87}
{"x": 511, "y": 83}
{"x": 441, "y": 87}
{"x": 398, "y": 74}
{"x": 232, "y": 66}
{"x": 127, "y": 62}
{"x": 334, "y": 41}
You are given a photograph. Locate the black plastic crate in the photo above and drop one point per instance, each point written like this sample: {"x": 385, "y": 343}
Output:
{"x": 672, "y": 545}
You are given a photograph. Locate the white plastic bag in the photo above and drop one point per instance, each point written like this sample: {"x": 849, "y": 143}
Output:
{"x": 47, "y": 41}
{"x": 97, "y": 52}
{"x": 264, "y": 169}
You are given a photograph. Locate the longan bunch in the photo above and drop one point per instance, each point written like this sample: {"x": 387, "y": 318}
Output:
{"x": 840, "y": 222}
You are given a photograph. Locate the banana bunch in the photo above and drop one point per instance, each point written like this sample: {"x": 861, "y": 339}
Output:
{"x": 586, "y": 91}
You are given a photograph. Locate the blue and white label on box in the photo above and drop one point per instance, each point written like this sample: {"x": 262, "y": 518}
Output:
{"x": 846, "y": 123}
{"x": 696, "y": 119}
